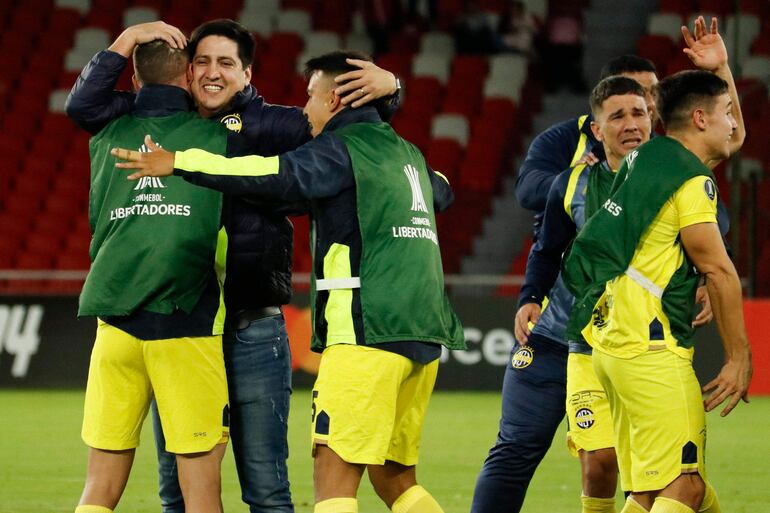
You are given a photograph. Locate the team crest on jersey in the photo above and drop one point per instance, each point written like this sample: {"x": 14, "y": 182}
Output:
{"x": 710, "y": 188}
{"x": 523, "y": 357}
{"x": 584, "y": 418}
{"x": 232, "y": 122}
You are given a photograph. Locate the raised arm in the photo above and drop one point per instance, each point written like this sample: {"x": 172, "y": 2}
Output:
{"x": 707, "y": 51}
{"x": 367, "y": 84}
{"x": 93, "y": 101}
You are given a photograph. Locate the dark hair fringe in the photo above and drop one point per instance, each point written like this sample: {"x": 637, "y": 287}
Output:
{"x": 627, "y": 64}
{"x": 613, "y": 86}
{"x": 231, "y": 30}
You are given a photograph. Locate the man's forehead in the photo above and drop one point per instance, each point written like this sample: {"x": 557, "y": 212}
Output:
{"x": 618, "y": 102}
{"x": 215, "y": 46}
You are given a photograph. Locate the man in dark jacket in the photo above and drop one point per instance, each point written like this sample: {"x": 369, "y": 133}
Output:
{"x": 259, "y": 240}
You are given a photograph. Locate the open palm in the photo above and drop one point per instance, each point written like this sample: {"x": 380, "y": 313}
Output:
{"x": 706, "y": 49}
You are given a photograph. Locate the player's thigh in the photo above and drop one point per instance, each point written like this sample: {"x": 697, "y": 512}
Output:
{"x": 188, "y": 377}
{"x": 411, "y": 405}
{"x": 588, "y": 410}
{"x": 662, "y": 401}
{"x": 620, "y": 420}
{"x": 355, "y": 400}
{"x": 118, "y": 393}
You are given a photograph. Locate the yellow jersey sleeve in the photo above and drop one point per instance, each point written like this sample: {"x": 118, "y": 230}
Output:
{"x": 696, "y": 201}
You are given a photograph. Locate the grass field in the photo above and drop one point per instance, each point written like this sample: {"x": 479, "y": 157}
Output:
{"x": 42, "y": 459}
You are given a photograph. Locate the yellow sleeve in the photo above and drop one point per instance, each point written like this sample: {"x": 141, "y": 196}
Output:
{"x": 696, "y": 201}
{"x": 200, "y": 161}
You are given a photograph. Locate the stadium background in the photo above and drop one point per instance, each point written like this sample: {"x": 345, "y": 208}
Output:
{"x": 469, "y": 104}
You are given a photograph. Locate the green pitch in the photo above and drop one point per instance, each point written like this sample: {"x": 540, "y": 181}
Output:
{"x": 42, "y": 459}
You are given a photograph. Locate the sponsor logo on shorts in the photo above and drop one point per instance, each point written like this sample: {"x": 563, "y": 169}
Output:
{"x": 232, "y": 122}
{"x": 584, "y": 418}
{"x": 710, "y": 188}
{"x": 522, "y": 357}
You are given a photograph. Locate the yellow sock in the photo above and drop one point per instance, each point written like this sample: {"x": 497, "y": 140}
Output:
{"x": 631, "y": 506}
{"x": 337, "y": 505}
{"x": 597, "y": 504}
{"x": 666, "y": 505}
{"x": 92, "y": 509}
{"x": 710, "y": 502}
{"x": 416, "y": 500}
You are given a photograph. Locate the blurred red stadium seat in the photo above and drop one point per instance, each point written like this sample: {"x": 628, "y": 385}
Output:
{"x": 444, "y": 156}
{"x": 683, "y": 8}
{"x": 659, "y": 49}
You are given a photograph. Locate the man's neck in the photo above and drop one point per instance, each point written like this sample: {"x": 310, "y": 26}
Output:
{"x": 693, "y": 143}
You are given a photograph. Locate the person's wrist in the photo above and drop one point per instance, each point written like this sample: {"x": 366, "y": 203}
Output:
{"x": 396, "y": 86}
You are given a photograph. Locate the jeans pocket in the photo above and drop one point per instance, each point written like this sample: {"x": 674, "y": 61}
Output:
{"x": 267, "y": 335}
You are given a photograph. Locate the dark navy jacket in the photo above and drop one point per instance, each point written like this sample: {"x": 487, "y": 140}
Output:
{"x": 550, "y": 153}
{"x": 259, "y": 240}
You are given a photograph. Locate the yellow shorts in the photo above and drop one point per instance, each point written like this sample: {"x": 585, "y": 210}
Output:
{"x": 186, "y": 375}
{"x": 588, "y": 412}
{"x": 369, "y": 404}
{"x": 657, "y": 411}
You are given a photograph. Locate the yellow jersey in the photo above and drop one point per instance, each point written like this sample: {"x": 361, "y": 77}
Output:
{"x": 629, "y": 318}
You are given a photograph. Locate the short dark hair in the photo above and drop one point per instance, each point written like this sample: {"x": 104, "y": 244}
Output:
{"x": 231, "y": 30}
{"x": 613, "y": 86}
{"x": 680, "y": 93}
{"x": 157, "y": 63}
{"x": 334, "y": 63}
{"x": 626, "y": 64}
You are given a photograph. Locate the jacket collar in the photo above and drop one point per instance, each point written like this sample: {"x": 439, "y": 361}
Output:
{"x": 161, "y": 100}
{"x": 348, "y": 116}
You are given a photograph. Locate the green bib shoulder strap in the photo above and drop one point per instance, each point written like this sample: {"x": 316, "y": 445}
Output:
{"x": 605, "y": 246}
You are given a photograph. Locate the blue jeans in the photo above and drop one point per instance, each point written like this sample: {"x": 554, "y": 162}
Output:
{"x": 258, "y": 364}
{"x": 533, "y": 406}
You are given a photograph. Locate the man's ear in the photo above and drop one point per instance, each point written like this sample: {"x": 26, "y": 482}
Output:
{"x": 334, "y": 100}
{"x": 699, "y": 119}
{"x": 247, "y": 73}
{"x": 189, "y": 74}
{"x": 135, "y": 82}
{"x": 596, "y": 131}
